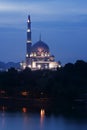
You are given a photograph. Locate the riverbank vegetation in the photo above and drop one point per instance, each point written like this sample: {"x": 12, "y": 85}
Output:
{"x": 65, "y": 87}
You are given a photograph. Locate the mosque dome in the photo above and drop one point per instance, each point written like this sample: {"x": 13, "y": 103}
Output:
{"x": 39, "y": 48}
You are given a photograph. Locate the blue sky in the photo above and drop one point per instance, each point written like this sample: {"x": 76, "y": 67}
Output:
{"x": 62, "y": 23}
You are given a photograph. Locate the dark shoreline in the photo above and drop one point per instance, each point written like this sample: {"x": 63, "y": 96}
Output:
{"x": 34, "y": 105}
{"x": 63, "y": 91}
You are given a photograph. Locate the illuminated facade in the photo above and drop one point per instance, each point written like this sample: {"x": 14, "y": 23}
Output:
{"x": 38, "y": 55}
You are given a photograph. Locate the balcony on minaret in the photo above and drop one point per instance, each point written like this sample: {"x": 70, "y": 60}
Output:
{"x": 26, "y": 55}
{"x": 28, "y": 19}
{"x": 28, "y": 30}
{"x": 28, "y": 41}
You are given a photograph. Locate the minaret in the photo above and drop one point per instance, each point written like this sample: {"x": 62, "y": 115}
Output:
{"x": 29, "y": 42}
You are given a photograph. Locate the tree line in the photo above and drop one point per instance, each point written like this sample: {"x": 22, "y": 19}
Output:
{"x": 68, "y": 83}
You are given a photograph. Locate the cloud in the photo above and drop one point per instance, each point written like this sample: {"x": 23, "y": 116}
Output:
{"x": 44, "y": 7}
{"x": 47, "y": 10}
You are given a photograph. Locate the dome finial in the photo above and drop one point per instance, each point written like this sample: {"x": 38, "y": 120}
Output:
{"x": 40, "y": 36}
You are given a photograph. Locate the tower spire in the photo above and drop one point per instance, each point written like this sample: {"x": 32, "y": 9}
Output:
{"x": 29, "y": 42}
{"x": 29, "y": 17}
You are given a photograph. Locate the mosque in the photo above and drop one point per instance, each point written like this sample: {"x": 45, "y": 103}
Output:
{"x": 38, "y": 55}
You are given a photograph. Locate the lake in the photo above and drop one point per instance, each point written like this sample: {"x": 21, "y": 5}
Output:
{"x": 23, "y": 120}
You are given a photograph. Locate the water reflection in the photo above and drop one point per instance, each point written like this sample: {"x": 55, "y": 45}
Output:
{"x": 24, "y": 109}
{"x": 42, "y": 113}
{"x": 27, "y": 119}
{"x": 42, "y": 116}
{"x": 3, "y": 108}
{"x": 3, "y": 119}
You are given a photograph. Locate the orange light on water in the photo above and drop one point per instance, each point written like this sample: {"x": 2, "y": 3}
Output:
{"x": 42, "y": 113}
{"x": 24, "y": 109}
{"x": 42, "y": 116}
{"x": 24, "y": 93}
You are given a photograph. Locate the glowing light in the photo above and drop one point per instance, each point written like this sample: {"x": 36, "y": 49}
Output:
{"x": 33, "y": 65}
{"x": 21, "y": 63}
{"x": 25, "y": 93}
{"x": 42, "y": 54}
{"x": 24, "y": 109}
{"x": 59, "y": 66}
{"x": 28, "y": 21}
{"x": 28, "y": 41}
{"x": 42, "y": 112}
{"x": 45, "y": 54}
{"x": 46, "y": 66}
{"x": 42, "y": 115}
{"x": 34, "y": 54}
{"x": 48, "y": 54}
{"x": 28, "y": 30}
{"x": 26, "y": 55}
{"x": 31, "y": 54}
{"x": 24, "y": 66}
{"x": 29, "y": 66}
{"x": 39, "y": 66}
{"x": 40, "y": 49}
{"x": 51, "y": 65}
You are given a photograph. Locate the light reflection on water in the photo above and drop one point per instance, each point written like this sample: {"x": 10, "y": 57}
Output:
{"x": 24, "y": 110}
{"x": 26, "y": 120}
{"x": 42, "y": 117}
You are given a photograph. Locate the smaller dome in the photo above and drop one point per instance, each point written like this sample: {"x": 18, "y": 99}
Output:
{"x": 40, "y": 46}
